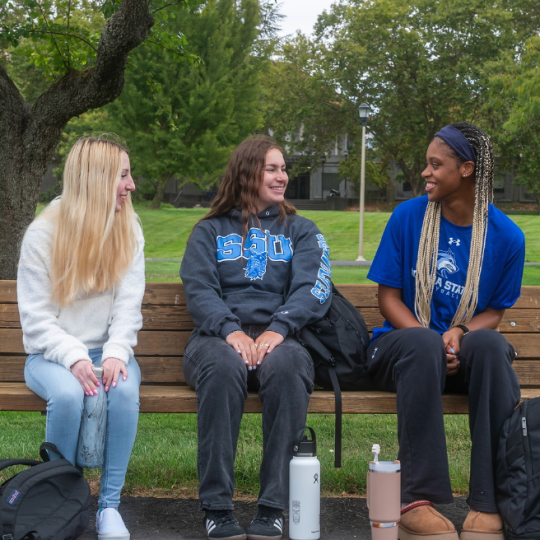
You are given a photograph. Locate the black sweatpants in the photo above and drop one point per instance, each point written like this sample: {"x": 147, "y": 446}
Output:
{"x": 412, "y": 362}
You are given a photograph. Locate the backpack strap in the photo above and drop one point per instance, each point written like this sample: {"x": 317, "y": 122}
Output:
{"x": 52, "y": 448}
{"x": 307, "y": 339}
{"x": 5, "y": 463}
{"x": 338, "y": 414}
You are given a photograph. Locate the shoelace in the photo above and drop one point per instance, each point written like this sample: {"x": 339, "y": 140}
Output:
{"x": 266, "y": 515}
{"x": 223, "y": 516}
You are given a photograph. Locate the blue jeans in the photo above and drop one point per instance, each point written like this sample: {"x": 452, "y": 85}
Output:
{"x": 65, "y": 398}
{"x": 221, "y": 380}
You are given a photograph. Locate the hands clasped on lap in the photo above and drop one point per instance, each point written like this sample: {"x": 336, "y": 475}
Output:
{"x": 254, "y": 351}
{"x": 112, "y": 367}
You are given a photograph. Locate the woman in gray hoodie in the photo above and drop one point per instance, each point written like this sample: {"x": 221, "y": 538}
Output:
{"x": 254, "y": 273}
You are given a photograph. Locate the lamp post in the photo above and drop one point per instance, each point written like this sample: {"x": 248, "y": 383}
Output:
{"x": 323, "y": 161}
{"x": 363, "y": 112}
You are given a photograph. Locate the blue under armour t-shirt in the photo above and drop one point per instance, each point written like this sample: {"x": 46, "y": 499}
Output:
{"x": 394, "y": 264}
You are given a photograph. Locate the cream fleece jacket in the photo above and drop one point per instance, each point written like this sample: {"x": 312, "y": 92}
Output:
{"x": 108, "y": 320}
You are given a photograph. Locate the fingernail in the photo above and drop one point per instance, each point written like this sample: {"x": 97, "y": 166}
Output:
{"x": 250, "y": 368}
{"x": 104, "y": 381}
{"x": 125, "y": 378}
{"x": 87, "y": 393}
{"x": 98, "y": 385}
{"x": 246, "y": 362}
{"x": 452, "y": 351}
{"x": 114, "y": 385}
{"x": 258, "y": 362}
{"x": 106, "y": 389}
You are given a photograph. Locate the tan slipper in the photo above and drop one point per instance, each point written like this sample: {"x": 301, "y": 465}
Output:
{"x": 420, "y": 521}
{"x": 482, "y": 526}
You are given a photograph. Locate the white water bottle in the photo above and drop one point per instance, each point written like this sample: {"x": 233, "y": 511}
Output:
{"x": 93, "y": 429}
{"x": 305, "y": 491}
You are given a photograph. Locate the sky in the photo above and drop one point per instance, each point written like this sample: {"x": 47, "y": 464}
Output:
{"x": 301, "y": 14}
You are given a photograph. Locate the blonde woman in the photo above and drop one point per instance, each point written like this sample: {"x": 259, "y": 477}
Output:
{"x": 448, "y": 266}
{"x": 80, "y": 286}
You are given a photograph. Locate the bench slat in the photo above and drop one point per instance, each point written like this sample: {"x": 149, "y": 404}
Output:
{"x": 168, "y": 370}
{"x": 172, "y": 343}
{"x": 162, "y": 317}
{"x": 173, "y": 294}
{"x": 177, "y": 399}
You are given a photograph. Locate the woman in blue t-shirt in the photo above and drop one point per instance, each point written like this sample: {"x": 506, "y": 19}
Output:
{"x": 448, "y": 266}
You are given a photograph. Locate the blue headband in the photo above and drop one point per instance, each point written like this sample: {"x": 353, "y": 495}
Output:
{"x": 457, "y": 142}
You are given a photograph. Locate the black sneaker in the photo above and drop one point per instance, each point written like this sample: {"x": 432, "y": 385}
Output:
{"x": 223, "y": 525}
{"x": 268, "y": 523}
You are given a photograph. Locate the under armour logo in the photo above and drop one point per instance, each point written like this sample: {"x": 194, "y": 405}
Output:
{"x": 315, "y": 478}
{"x": 451, "y": 241}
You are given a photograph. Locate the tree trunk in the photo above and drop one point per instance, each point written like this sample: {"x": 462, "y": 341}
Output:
{"x": 28, "y": 136}
{"x": 160, "y": 191}
{"x": 413, "y": 176}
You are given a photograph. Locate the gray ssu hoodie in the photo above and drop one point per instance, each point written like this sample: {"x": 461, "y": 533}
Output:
{"x": 228, "y": 285}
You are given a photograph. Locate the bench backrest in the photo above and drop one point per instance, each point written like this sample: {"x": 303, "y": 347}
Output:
{"x": 167, "y": 326}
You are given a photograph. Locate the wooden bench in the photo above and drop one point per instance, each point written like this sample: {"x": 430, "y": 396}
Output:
{"x": 166, "y": 329}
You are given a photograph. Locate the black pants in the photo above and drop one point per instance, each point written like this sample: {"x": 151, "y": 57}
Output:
{"x": 221, "y": 380}
{"x": 412, "y": 362}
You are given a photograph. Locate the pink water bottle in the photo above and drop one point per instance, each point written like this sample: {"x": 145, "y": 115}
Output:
{"x": 384, "y": 497}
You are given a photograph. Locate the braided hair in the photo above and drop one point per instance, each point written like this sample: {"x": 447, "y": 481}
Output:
{"x": 426, "y": 265}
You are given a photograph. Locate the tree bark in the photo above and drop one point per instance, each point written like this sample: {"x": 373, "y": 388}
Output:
{"x": 160, "y": 191}
{"x": 29, "y": 135}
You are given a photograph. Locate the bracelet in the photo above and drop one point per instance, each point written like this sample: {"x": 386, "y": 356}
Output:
{"x": 463, "y": 328}
{"x": 233, "y": 332}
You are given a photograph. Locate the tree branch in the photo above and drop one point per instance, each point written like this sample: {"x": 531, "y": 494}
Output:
{"x": 74, "y": 36}
{"x": 13, "y": 107}
{"x": 80, "y": 91}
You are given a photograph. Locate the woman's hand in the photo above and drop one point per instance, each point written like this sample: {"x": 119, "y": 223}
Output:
{"x": 245, "y": 347}
{"x": 451, "y": 339}
{"x": 82, "y": 369}
{"x": 112, "y": 367}
{"x": 266, "y": 343}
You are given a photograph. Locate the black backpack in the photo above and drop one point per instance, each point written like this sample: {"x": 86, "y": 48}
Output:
{"x": 48, "y": 501}
{"x": 338, "y": 343}
{"x": 517, "y": 477}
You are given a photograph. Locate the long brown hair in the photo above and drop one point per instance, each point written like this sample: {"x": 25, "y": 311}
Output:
{"x": 242, "y": 180}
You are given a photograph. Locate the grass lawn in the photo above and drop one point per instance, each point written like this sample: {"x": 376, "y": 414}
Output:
{"x": 166, "y": 232}
{"x": 164, "y": 459}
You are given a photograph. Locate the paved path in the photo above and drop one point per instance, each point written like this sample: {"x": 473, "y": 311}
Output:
{"x": 179, "y": 519}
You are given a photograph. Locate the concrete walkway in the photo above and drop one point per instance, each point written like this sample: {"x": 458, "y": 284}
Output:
{"x": 179, "y": 519}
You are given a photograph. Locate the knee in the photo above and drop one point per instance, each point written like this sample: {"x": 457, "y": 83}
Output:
{"x": 489, "y": 348}
{"x": 425, "y": 339}
{"x": 288, "y": 367}
{"x": 67, "y": 398}
{"x": 423, "y": 346}
{"x": 222, "y": 371}
{"x": 124, "y": 396}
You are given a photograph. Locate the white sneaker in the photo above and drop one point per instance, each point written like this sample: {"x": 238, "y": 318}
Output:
{"x": 110, "y": 525}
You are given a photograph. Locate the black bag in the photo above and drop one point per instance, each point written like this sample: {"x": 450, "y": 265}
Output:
{"x": 338, "y": 343}
{"x": 48, "y": 501}
{"x": 517, "y": 478}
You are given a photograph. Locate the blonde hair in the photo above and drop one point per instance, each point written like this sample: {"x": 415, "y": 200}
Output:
{"x": 426, "y": 265}
{"x": 93, "y": 245}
